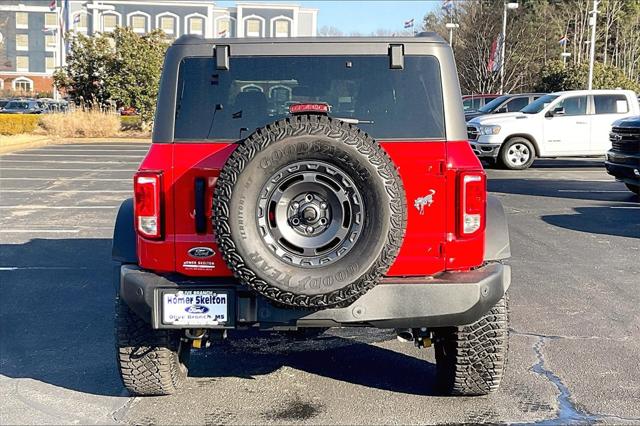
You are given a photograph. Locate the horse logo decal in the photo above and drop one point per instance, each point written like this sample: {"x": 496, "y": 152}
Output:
{"x": 422, "y": 202}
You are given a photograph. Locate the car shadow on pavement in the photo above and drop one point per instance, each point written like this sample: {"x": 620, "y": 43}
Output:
{"x": 355, "y": 360}
{"x": 550, "y": 163}
{"x": 615, "y": 219}
{"x": 560, "y": 188}
{"x": 56, "y": 317}
{"x": 56, "y": 314}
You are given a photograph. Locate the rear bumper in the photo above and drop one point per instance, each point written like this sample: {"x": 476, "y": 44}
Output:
{"x": 452, "y": 298}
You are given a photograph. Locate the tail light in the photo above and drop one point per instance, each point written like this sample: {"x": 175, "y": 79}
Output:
{"x": 472, "y": 203}
{"x": 147, "y": 187}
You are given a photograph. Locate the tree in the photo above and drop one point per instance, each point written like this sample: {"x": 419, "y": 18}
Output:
{"x": 556, "y": 77}
{"x": 121, "y": 67}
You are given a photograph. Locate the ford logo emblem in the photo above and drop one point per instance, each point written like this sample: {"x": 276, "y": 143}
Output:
{"x": 196, "y": 309}
{"x": 201, "y": 252}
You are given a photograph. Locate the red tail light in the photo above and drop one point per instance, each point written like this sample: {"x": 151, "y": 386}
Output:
{"x": 472, "y": 199}
{"x": 146, "y": 187}
{"x": 310, "y": 107}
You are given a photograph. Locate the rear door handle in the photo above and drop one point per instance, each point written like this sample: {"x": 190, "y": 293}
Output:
{"x": 581, "y": 122}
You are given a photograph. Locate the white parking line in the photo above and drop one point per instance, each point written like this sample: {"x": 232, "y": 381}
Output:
{"x": 38, "y": 268}
{"x": 45, "y": 207}
{"x": 36, "y": 231}
{"x": 70, "y": 191}
{"x": 624, "y": 207}
{"x": 63, "y": 179}
{"x": 29, "y": 169}
{"x": 3, "y": 161}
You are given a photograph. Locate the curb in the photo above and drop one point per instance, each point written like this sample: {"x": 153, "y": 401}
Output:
{"x": 44, "y": 141}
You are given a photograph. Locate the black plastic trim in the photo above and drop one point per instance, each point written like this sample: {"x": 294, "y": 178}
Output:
{"x": 124, "y": 245}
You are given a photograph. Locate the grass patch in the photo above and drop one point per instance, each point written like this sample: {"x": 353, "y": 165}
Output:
{"x": 81, "y": 124}
{"x": 130, "y": 123}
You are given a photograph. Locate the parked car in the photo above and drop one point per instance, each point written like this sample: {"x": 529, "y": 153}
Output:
{"x": 623, "y": 159}
{"x": 26, "y": 106}
{"x": 475, "y": 102}
{"x": 3, "y": 103}
{"x": 504, "y": 103}
{"x": 563, "y": 124}
{"x": 338, "y": 211}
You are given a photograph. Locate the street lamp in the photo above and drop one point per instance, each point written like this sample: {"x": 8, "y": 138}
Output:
{"x": 565, "y": 55}
{"x": 507, "y": 6}
{"x": 592, "y": 46}
{"x": 451, "y": 26}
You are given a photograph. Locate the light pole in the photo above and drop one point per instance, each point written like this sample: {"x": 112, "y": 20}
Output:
{"x": 451, "y": 26}
{"x": 592, "y": 46}
{"x": 565, "y": 55}
{"x": 507, "y": 6}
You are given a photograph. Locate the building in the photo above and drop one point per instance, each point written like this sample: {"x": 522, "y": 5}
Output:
{"x": 31, "y": 47}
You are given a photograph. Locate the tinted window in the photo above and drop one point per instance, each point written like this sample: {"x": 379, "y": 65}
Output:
{"x": 611, "y": 104}
{"x": 490, "y": 106}
{"x": 516, "y": 104}
{"x": 389, "y": 103}
{"x": 467, "y": 104}
{"x": 539, "y": 104}
{"x": 576, "y": 105}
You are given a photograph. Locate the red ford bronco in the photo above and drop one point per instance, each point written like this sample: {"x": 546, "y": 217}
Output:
{"x": 310, "y": 183}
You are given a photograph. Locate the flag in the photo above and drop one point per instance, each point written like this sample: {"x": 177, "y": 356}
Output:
{"x": 53, "y": 5}
{"x": 447, "y": 5}
{"x": 222, "y": 33}
{"x": 76, "y": 19}
{"x": 563, "y": 41}
{"x": 409, "y": 23}
{"x": 495, "y": 59}
{"x": 49, "y": 30}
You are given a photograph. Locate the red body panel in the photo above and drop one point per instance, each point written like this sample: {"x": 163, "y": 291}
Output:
{"x": 428, "y": 169}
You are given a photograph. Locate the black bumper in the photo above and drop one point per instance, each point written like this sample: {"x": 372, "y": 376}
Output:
{"x": 452, "y": 298}
{"x": 624, "y": 167}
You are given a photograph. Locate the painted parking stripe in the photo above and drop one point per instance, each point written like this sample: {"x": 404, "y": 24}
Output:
{"x": 63, "y": 179}
{"x": 46, "y": 207}
{"x": 36, "y": 231}
{"x": 624, "y": 207}
{"x": 40, "y": 268}
{"x": 29, "y": 169}
{"x": 69, "y": 191}
{"x": 589, "y": 191}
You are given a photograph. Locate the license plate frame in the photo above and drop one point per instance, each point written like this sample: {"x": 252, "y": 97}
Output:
{"x": 176, "y": 316}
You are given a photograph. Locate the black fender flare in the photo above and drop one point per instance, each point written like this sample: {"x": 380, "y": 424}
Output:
{"x": 124, "y": 245}
{"x": 496, "y": 243}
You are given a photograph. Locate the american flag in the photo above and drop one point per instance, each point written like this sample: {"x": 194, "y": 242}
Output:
{"x": 447, "y": 4}
{"x": 495, "y": 60}
{"x": 76, "y": 19}
{"x": 563, "y": 41}
{"x": 222, "y": 33}
{"x": 409, "y": 23}
{"x": 53, "y": 5}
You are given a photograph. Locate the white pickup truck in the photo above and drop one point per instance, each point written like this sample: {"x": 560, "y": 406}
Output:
{"x": 563, "y": 124}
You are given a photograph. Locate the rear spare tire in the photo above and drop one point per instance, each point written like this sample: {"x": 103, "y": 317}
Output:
{"x": 309, "y": 211}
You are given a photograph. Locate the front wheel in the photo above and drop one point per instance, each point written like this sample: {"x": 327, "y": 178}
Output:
{"x": 633, "y": 188}
{"x": 470, "y": 359}
{"x": 517, "y": 154}
{"x": 151, "y": 362}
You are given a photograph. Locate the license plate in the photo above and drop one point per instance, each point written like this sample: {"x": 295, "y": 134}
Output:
{"x": 205, "y": 307}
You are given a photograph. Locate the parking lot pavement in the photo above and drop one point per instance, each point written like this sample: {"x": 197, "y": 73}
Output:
{"x": 574, "y": 347}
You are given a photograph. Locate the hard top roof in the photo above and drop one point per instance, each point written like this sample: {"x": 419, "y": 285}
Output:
{"x": 424, "y": 37}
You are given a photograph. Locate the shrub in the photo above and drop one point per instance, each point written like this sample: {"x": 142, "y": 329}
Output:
{"x": 82, "y": 124}
{"x": 131, "y": 122}
{"x": 14, "y": 124}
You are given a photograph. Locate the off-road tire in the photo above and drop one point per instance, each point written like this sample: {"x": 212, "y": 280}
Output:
{"x": 151, "y": 362}
{"x": 503, "y": 156}
{"x": 633, "y": 188}
{"x": 299, "y": 140}
{"x": 471, "y": 359}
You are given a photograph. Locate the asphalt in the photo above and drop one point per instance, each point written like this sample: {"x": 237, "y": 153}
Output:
{"x": 574, "y": 350}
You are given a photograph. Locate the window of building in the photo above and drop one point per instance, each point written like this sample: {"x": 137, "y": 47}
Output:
{"x": 282, "y": 28}
{"x": 22, "y": 20}
{"x": 50, "y": 41}
{"x": 224, "y": 29}
{"x": 168, "y": 25}
{"x": 22, "y": 84}
{"x": 139, "y": 23}
{"x": 253, "y": 28}
{"x": 611, "y": 104}
{"x": 50, "y": 19}
{"x": 22, "y": 63}
{"x": 196, "y": 26}
{"x": 109, "y": 22}
{"x": 50, "y": 63}
{"x": 80, "y": 22}
{"x": 22, "y": 42}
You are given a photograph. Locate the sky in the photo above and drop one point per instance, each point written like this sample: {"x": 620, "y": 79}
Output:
{"x": 364, "y": 16}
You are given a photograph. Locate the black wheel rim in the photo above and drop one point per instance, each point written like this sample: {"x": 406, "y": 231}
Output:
{"x": 310, "y": 214}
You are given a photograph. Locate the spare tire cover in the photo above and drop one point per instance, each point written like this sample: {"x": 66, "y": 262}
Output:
{"x": 309, "y": 211}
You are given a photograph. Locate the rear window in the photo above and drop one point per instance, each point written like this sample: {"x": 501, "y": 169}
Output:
{"x": 611, "y": 104}
{"x": 389, "y": 103}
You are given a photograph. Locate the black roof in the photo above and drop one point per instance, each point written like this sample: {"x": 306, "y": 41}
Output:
{"x": 424, "y": 37}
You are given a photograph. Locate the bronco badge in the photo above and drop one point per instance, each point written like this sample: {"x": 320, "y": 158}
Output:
{"x": 422, "y": 202}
